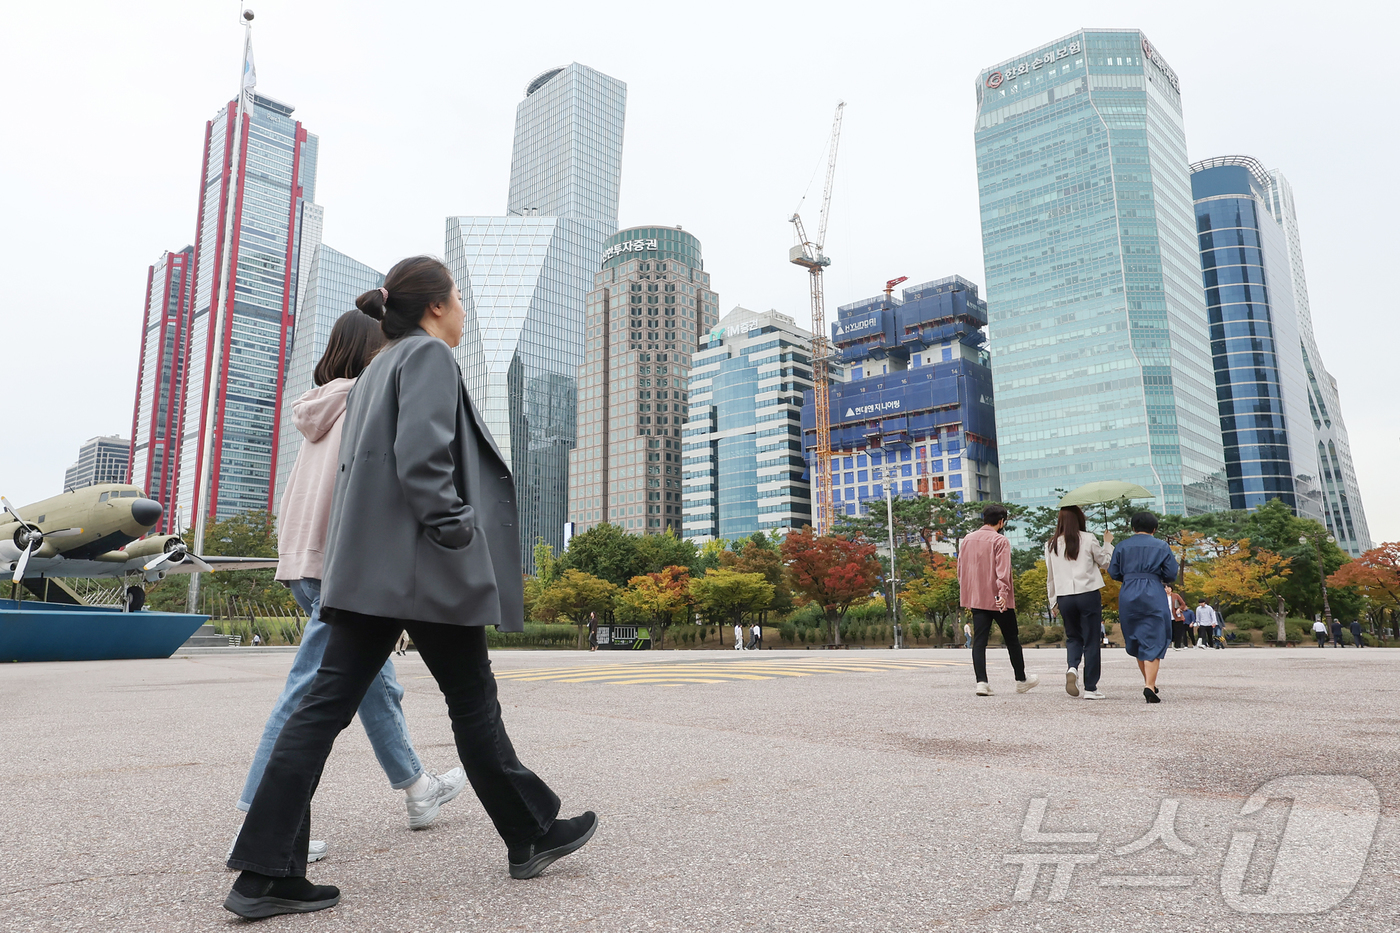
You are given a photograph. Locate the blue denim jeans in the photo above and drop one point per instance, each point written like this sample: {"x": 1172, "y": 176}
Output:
{"x": 381, "y": 711}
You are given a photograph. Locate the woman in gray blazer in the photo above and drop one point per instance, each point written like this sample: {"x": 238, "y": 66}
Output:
{"x": 422, "y": 537}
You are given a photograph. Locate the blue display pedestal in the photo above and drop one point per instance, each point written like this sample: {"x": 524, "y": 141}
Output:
{"x": 36, "y": 631}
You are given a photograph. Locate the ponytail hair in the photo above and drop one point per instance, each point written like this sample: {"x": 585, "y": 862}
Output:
{"x": 411, "y": 287}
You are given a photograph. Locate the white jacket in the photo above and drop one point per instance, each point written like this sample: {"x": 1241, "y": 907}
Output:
{"x": 1064, "y": 577}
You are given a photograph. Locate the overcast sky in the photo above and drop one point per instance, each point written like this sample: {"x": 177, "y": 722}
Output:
{"x": 728, "y": 110}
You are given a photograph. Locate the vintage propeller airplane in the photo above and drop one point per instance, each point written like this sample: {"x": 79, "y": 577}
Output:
{"x": 98, "y": 531}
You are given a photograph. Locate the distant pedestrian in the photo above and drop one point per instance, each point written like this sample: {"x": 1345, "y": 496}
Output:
{"x": 1144, "y": 565}
{"x": 257, "y": 639}
{"x": 1073, "y": 561}
{"x": 757, "y": 637}
{"x": 1179, "y": 610}
{"x": 1219, "y": 639}
{"x": 738, "y": 637}
{"x": 1320, "y": 632}
{"x": 1356, "y": 633}
{"x": 1336, "y": 634}
{"x": 967, "y": 634}
{"x": 1188, "y": 625}
{"x": 985, "y": 587}
{"x": 1205, "y": 623}
{"x": 593, "y": 631}
{"x": 401, "y": 649}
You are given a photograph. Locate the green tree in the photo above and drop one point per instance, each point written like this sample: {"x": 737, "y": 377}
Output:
{"x": 575, "y": 595}
{"x": 605, "y": 551}
{"x": 657, "y": 552}
{"x": 763, "y": 559}
{"x": 1030, "y": 591}
{"x": 729, "y": 595}
{"x": 247, "y": 534}
{"x": 934, "y": 594}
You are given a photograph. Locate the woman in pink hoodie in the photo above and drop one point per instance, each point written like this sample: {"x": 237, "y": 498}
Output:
{"x": 301, "y": 530}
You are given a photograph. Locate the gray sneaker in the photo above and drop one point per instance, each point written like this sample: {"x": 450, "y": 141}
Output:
{"x": 441, "y": 788}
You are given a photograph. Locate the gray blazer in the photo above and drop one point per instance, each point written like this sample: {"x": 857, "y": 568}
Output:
{"x": 423, "y": 517}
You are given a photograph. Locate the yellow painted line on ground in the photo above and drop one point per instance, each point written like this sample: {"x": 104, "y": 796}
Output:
{"x": 677, "y": 671}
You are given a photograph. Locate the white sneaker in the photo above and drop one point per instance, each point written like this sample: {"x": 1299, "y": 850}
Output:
{"x": 1023, "y": 685}
{"x": 984, "y": 689}
{"x": 1071, "y": 682}
{"x": 1092, "y": 695}
{"x": 441, "y": 788}
{"x": 315, "y": 850}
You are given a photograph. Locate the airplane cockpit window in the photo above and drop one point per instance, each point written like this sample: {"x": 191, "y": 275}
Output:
{"x": 126, "y": 494}
{"x": 103, "y": 498}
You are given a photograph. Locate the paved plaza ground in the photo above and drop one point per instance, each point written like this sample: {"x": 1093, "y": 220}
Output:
{"x": 775, "y": 791}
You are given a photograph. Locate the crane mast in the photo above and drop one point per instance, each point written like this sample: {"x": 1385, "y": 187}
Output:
{"x": 809, "y": 255}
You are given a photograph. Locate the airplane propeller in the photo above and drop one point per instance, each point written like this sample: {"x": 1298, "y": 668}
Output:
{"x": 29, "y": 539}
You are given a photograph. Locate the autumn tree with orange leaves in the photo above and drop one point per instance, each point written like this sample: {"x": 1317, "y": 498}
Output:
{"x": 1376, "y": 574}
{"x": 832, "y": 571}
{"x": 660, "y": 598}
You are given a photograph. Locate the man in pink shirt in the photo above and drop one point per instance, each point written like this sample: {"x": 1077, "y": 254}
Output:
{"x": 986, "y": 588}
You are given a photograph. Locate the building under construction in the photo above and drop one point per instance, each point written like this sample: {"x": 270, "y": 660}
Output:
{"x": 919, "y": 399}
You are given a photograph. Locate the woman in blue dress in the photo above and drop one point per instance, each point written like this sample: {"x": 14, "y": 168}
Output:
{"x": 1144, "y": 565}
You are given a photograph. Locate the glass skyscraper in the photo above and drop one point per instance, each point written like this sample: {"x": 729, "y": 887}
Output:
{"x": 524, "y": 278}
{"x": 1260, "y": 380}
{"x": 1101, "y": 355}
{"x": 332, "y": 283}
{"x": 100, "y": 460}
{"x": 155, "y": 422}
{"x": 1342, "y": 506}
{"x": 917, "y": 413}
{"x": 647, "y": 315}
{"x": 743, "y": 462}
{"x": 277, "y": 178}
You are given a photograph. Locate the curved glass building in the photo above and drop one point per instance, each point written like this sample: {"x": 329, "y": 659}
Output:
{"x": 1260, "y": 381}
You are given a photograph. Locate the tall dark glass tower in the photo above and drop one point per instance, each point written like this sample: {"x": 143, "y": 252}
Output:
{"x": 1260, "y": 382}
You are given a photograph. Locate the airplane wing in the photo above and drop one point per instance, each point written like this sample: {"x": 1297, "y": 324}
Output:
{"x": 214, "y": 564}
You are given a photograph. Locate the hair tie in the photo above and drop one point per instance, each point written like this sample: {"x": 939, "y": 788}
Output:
{"x": 385, "y": 292}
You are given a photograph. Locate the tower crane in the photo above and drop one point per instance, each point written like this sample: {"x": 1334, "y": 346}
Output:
{"x": 808, "y": 254}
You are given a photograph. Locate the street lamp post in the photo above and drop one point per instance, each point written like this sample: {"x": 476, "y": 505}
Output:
{"x": 894, "y": 573}
{"x": 1321, "y": 574}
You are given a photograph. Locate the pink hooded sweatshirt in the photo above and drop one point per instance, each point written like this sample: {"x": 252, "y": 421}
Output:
{"x": 305, "y": 510}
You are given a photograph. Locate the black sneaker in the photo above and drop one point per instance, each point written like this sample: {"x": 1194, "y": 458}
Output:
{"x": 255, "y": 896}
{"x": 564, "y": 836}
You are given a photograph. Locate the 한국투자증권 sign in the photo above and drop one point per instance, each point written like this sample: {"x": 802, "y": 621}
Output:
{"x": 629, "y": 246}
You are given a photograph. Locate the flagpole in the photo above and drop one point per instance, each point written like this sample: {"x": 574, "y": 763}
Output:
{"x": 219, "y": 312}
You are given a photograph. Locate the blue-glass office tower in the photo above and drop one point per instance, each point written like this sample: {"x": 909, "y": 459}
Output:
{"x": 917, "y": 412}
{"x": 1260, "y": 381}
{"x": 1272, "y": 396}
{"x": 524, "y": 278}
{"x": 744, "y": 469}
{"x": 332, "y": 283}
{"x": 1097, "y": 323}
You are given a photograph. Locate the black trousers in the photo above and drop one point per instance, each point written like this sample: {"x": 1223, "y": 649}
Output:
{"x": 1178, "y": 633}
{"x": 277, "y": 830}
{"x": 982, "y": 620}
{"x": 1082, "y": 614}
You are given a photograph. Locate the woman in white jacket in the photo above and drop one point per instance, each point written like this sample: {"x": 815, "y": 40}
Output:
{"x": 302, "y": 518}
{"x": 1073, "y": 559}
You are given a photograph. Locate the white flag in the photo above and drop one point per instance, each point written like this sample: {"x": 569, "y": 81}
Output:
{"x": 250, "y": 74}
